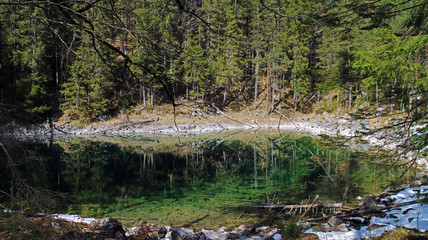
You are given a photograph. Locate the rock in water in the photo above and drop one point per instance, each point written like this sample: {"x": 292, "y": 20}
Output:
{"x": 108, "y": 228}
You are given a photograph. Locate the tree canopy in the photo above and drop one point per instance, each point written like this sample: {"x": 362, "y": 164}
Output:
{"x": 91, "y": 58}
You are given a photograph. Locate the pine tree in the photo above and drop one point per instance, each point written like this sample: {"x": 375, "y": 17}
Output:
{"x": 88, "y": 91}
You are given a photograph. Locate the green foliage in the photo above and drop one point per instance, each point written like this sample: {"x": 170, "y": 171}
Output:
{"x": 292, "y": 230}
{"x": 394, "y": 62}
{"x": 326, "y": 106}
{"x": 88, "y": 91}
{"x": 92, "y": 210}
{"x": 56, "y": 59}
{"x": 28, "y": 55}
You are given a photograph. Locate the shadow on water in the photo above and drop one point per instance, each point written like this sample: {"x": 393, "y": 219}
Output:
{"x": 202, "y": 181}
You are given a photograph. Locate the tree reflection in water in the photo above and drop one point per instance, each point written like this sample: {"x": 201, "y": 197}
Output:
{"x": 162, "y": 178}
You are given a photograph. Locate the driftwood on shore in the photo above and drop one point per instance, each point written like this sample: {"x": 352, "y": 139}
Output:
{"x": 302, "y": 210}
{"x": 339, "y": 218}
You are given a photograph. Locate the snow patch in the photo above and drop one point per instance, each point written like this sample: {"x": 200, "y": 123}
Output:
{"x": 72, "y": 218}
{"x": 413, "y": 216}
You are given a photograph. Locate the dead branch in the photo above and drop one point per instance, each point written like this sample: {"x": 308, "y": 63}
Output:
{"x": 229, "y": 117}
{"x": 307, "y": 210}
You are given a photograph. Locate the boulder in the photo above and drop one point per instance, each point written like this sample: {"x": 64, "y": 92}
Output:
{"x": 108, "y": 228}
{"x": 183, "y": 234}
{"x": 421, "y": 176}
{"x": 365, "y": 125}
{"x": 341, "y": 228}
{"x": 420, "y": 179}
{"x": 331, "y": 225}
{"x": 324, "y": 114}
{"x": 210, "y": 234}
{"x": 352, "y": 124}
{"x": 369, "y": 203}
{"x": 333, "y": 221}
{"x": 162, "y": 231}
{"x": 342, "y": 122}
{"x": 380, "y": 112}
{"x": 362, "y": 131}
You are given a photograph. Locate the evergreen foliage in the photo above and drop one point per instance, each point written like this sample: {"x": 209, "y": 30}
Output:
{"x": 94, "y": 58}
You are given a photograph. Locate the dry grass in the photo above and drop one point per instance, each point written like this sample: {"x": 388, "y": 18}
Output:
{"x": 198, "y": 114}
{"x": 185, "y": 114}
{"x": 403, "y": 234}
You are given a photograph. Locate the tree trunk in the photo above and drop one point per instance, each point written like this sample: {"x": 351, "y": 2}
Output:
{"x": 224, "y": 95}
{"x": 350, "y": 98}
{"x": 273, "y": 92}
{"x": 256, "y": 82}
{"x": 377, "y": 94}
{"x": 144, "y": 96}
{"x": 152, "y": 97}
{"x": 295, "y": 95}
{"x": 338, "y": 98}
{"x": 141, "y": 94}
{"x": 268, "y": 90}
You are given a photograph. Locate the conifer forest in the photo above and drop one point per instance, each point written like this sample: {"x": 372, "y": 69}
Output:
{"x": 100, "y": 57}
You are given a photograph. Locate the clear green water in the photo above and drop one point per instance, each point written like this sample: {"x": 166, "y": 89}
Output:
{"x": 203, "y": 181}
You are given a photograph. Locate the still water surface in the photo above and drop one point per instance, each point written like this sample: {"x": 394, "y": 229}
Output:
{"x": 206, "y": 181}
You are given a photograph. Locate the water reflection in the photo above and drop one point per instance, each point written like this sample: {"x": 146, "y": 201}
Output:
{"x": 202, "y": 181}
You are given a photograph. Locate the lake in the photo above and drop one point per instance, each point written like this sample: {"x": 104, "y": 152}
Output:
{"x": 195, "y": 181}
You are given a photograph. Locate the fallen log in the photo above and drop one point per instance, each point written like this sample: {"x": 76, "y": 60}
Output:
{"x": 360, "y": 212}
{"x": 328, "y": 205}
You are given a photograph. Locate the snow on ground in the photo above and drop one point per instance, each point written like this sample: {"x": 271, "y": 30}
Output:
{"x": 72, "y": 218}
{"x": 413, "y": 216}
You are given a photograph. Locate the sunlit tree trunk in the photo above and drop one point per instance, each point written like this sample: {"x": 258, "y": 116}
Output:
{"x": 268, "y": 90}
{"x": 256, "y": 81}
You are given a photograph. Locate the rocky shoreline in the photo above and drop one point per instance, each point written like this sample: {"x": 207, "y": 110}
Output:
{"x": 110, "y": 228}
